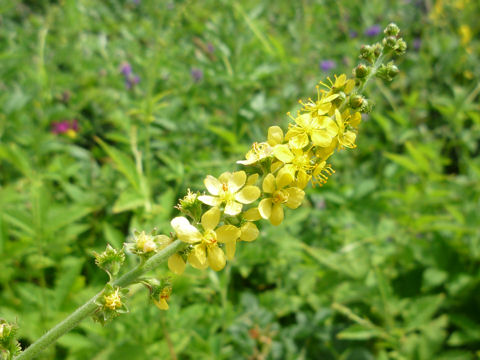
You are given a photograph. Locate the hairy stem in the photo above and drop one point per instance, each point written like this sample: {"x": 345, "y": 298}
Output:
{"x": 90, "y": 306}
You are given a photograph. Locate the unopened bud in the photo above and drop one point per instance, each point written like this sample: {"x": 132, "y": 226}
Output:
{"x": 110, "y": 260}
{"x": 356, "y": 101}
{"x": 401, "y": 47}
{"x": 360, "y": 71}
{"x": 389, "y": 42}
{"x": 387, "y": 72}
{"x": 391, "y": 30}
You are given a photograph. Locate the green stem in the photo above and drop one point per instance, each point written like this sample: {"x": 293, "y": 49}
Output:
{"x": 90, "y": 306}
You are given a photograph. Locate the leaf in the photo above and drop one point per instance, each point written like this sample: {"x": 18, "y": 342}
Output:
{"x": 129, "y": 199}
{"x": 70, "y": 268}
{"x": 123, "y": 162}
{"x": 60, "y": 216}
{"x": 358, "y": 332}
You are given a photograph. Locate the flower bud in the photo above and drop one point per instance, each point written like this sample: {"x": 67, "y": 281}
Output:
{"x": 146, "y": 245}
{"x": 111, "y": 304}
{"x": 110, "y": 260}
{"x": 391, "y": 30}
{"x": 367, "y": 53}
{"x": 9, "y": 346}
{"x": 390, "y": 42}
{"x": 190, "y": 205}
{"x": 400, "y": 47}
{"x": 387, "y": 72}
{"x": 360, "y": 71}
{"x": 356, "y": 101}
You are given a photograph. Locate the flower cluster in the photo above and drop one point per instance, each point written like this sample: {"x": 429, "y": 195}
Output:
{"x": 273, "y": 178}
{"x": 9, "y": 346}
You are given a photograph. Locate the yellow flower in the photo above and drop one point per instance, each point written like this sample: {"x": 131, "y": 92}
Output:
{"x": 296, "y": 161}
{"x": 248, "y": 231}
{"x": 113, "y": 301}
{"x": 271, "y": 207}
{"x": 206, "y": 251}
{"x": 164, "y": 295}
{"x": 341, "y": 84}
{"x": 320, "y": 107}
{"x": 228, "y": 189}
{"x": 346, "y": 138}
{"x": 263, "y": 150}
{"x": 321, "y": 129}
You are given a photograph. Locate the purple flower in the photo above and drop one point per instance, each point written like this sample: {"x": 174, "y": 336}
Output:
{"x": 126, "y": 69}
{"x": 373, "y": 30}
{"x": 327, "y": 65}
{"x": 210, "y": 48}
{"x": 353, "y": 34}
{"x": 131, "y": 81}
{"x": 197, "y": 74}
{"x": 65, "y": 127}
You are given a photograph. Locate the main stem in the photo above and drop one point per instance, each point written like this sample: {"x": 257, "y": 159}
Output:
{"x": 90, "y": 306}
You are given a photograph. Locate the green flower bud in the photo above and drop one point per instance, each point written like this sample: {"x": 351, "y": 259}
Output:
{"x": 356, "y": 101}
{"x": 367, "y": 53}
{"x": 361, "y": 71}
{"x": 400, "y": 47}
{"x": 391, "y": 30}
{"x": 377, "y": 50}
{"x": 145, "y": 245}
{"x": 9, "y": 346}
{"x": 390, "y": 42}
{"x": 387, "y": 72}
{"x": 110, "y": 260}
{"x": 190, "y": 205}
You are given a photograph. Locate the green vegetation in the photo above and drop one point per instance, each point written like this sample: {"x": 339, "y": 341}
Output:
{"x": 382, "y": 262}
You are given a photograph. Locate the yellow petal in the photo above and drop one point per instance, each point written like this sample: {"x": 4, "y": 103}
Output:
{"x": 283, "y": 179}
{"x": 227, "y": 232}
{"x": 216, "y": 258}
{"x": 185, "y": 231}
{"x": 249, "y": 232}
{"x": 252, "y": 179}
{"x": 355, "y": 119}
{"x": 303, "y": 120}
{"x": 302, "y": 179}
{"x": 236, "y": 181}
{"x": 233, "y": 208}
{"x": 210, "y": 200}
{"x": 275, "y": 135}
{"x": 299, "y": 141}
{"x": 161, "y": 304}
{"x": 213, "y": 185}
{"x": 348, "y": 139}
{"x": 211, "y": 218}
{"x": 295, "y": 197}
{"x": 338, "y": 118}
{"x": 275, "y": 166}
{"x": 252, "y": 214}
{"x": 340, "y": 81}
{"x": 162, "y": 241}
{"x": 198, "y": 257}
{"x": 349, "y": 86}
{"x": 230, "y": 246}
{"x": 276, "y": 217}
{"x": 269, "y": 184}
{"x": 283, "y": 153}
{"x": 330, "y": 126}
{"x": 321, "y": 138}
{"x": 248, "y": 194}
{"x": 224, "y": 177}
{"x": 176, "y": 264}
{"x": 265, "y": 208}
{"x": 324, "y": 108}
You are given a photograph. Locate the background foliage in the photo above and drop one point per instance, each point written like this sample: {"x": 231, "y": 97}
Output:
{"x": 381, "y": 263}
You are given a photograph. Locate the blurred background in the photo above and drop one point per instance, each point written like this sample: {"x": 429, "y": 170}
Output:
{"x": 110, "y": 110}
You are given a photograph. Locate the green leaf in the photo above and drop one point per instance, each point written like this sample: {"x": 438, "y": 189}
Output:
{"x": 123, "y": 163}
{"x": 358, "y": 332}
{"x": 129, "y": 199}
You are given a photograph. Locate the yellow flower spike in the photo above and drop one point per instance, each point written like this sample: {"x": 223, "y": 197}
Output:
{"x": 176, "y": 264}
{"x": 249, "y": 231}
{"x": 296, "y": 161}
{"x": 230, "y": 190}
{"x": 271, "y": 207}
